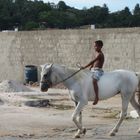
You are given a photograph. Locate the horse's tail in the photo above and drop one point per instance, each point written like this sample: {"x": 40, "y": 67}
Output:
{"x": 138, "y": 89}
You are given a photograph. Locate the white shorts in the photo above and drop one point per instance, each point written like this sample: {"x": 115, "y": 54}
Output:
{"x": 97, "y": 73}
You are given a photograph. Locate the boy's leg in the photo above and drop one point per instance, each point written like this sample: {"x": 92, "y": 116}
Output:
{"x": 95, "y": 85}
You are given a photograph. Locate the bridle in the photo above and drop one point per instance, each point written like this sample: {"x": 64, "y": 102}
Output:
{"x": 47, "y": 80}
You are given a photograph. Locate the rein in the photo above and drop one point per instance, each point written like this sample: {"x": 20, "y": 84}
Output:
{"x": 67, "y": 77}
{"x": 51, "y": 84}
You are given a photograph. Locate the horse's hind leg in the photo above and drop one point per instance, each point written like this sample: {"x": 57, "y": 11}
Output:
{"x": 125, "y": 101}
{"x": 136, "y": 106}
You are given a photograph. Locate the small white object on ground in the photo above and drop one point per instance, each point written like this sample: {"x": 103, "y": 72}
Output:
{"x": 134, "y": 114}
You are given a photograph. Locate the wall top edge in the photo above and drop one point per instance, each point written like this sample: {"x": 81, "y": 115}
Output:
{"x": 99, "y": 30}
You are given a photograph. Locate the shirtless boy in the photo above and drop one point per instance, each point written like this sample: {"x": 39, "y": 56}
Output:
{"x": 96, "y": 67}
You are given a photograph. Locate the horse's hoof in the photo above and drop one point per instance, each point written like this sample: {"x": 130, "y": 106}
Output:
{"x": 84, "y": 131}
{"x": 77, "y": 136}
{"x": 139, "y": 130}
{"x": 112, "y": 134}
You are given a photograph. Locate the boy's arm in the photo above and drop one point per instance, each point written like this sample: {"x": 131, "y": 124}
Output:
{"x": 92, "y": 62}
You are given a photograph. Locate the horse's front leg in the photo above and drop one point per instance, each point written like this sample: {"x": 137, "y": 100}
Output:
{"x": 77, "y": 119}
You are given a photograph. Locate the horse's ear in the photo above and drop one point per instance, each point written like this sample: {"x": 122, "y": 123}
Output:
{"x": 51, "y": 65}
{"x": 42, "y": 66}
{"x": 46, "y": 66}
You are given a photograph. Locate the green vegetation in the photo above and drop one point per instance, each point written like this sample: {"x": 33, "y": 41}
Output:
{"x": 37, "y": 15}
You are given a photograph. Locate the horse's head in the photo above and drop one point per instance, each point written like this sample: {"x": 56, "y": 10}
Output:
{"x": 46, "y": 81}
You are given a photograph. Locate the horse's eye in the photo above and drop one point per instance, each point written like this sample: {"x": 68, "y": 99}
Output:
{"x": 45, "y": 76}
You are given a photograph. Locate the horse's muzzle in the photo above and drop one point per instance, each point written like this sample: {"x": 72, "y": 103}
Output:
{"x": 44, "y": 87}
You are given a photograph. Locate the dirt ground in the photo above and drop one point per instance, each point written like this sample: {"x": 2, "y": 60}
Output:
{"x": 53, "y": 122}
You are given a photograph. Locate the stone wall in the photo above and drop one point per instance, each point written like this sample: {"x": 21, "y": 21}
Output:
{"x": 17, "y": 49}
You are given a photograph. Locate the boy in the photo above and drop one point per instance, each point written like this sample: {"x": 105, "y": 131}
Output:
{"x": 96, "y": 67}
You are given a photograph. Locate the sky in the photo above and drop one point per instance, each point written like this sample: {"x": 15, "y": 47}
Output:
{"x": 113, "y": 5}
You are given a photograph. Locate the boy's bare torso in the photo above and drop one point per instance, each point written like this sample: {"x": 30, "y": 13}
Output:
{"x": 100, "y": 61}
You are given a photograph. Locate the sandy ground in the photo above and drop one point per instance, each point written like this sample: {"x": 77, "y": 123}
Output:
{"x": 21, "y": 122}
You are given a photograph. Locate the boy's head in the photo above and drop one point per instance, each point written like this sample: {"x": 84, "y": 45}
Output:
{"x": 99, "y": 43}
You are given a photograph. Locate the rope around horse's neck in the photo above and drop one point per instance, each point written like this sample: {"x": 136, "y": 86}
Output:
{"x": 67, "y": 78}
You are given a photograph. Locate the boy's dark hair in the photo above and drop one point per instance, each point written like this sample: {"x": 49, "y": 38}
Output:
{"x": 99, "y": 43}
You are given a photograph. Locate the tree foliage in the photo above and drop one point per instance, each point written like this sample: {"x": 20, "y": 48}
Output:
{"x": 30, "y": 15}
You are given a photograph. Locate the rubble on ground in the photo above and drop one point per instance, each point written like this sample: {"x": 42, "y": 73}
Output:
{"x": 13, "y": 86}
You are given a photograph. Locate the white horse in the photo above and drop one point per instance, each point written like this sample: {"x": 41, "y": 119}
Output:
{"x": 81, "y": 89}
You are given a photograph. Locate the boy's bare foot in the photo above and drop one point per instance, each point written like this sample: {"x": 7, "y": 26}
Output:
{"x": 95, "y": 101}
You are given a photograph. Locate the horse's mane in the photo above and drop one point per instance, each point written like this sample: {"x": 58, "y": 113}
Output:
{"x": 72, "y": 70}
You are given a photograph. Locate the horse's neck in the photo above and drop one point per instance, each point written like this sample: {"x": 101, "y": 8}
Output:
{"x": 64, "y": 74}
